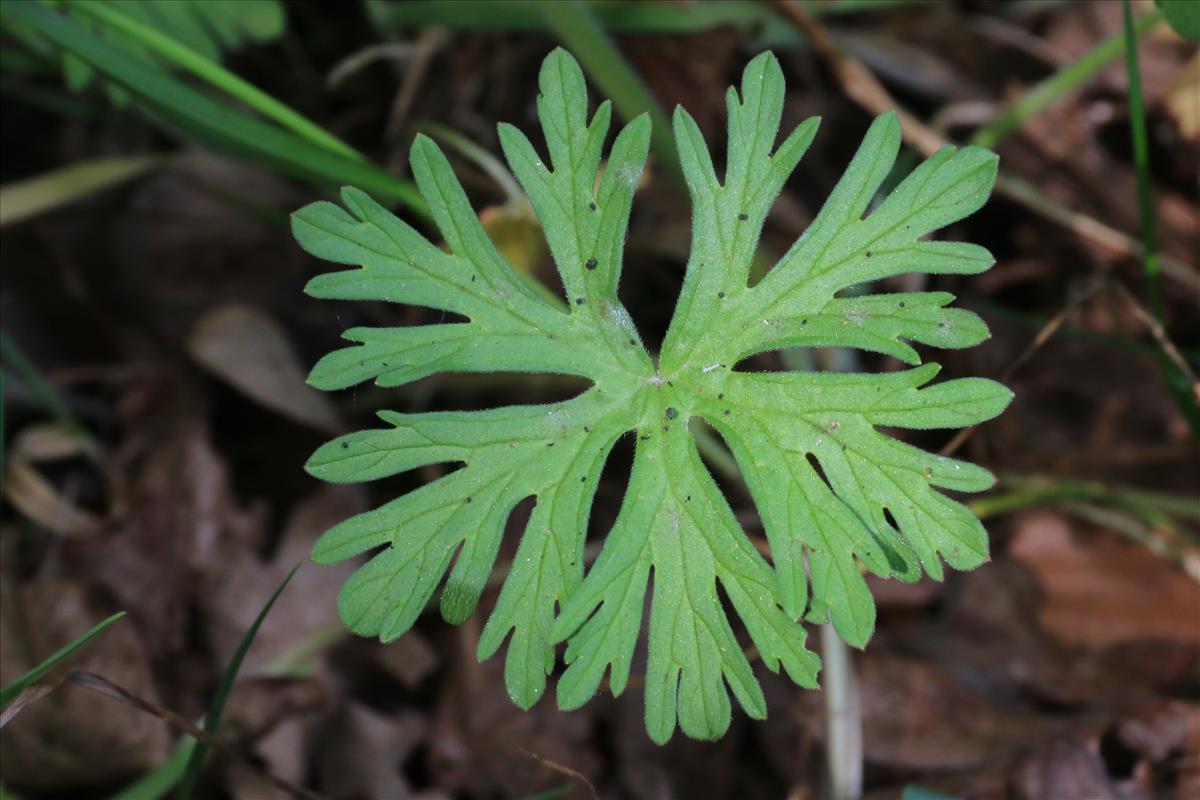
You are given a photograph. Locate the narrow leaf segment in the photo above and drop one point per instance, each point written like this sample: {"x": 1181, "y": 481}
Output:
{"x": 835, "y": 494}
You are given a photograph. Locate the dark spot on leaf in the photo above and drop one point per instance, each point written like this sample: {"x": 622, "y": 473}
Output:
{"x": 579, "y": 301}
{"x": 868, "y": 254}
{"x": 721, "y": 396}
{"x": 590, "y": 263}
{"x": 803, "y": 322}
{"x": 345, "y": 445}
{"x": 689, "y": 498}
{"x": 664, "y": 428}
{"x": 586, "y": 429}
{"x": 472, "y": 279}
{"x": 721, "y": 295}
{"x": 632, "y": 343}
{"x": 903, "y": 304}
{"x": 592, "y": 206}
{"x": 583, "y": 479}
{"x": 726, "y": 412}
{"x": 549, "y": 444}
{"x": 644, "y": 436}
{"x": 671, "y": 412}
{"x": 468, "y": 499}
{"x": 743, "y": 217}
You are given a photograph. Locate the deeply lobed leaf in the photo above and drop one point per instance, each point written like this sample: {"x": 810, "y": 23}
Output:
{"x": 836, "y": 495}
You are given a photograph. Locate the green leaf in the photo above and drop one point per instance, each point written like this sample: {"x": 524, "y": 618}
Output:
{"x": 1183, "y": 16}
{"x": 836, "y": 495}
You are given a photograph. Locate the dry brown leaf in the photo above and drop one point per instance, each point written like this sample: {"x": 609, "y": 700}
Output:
{"x": 1182, "y": 99}
{"x": 308, "y": 608}
{"x": 184, "y": 522}
{"x": 39, "y": 500}
{"x": 243, "y": 346}
{"x": 409, "y": 659}
{"x": 479, "y": 740}
{"x": 916, "y": 716}
{"x": 73, "y": 739}
{"x": 517, "y": 234}
{"x": 361, "y": 751}
{"x": 1104, "y": 590}
{"x": 49, "y": 441}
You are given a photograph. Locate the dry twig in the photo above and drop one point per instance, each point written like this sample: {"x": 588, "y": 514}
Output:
{"x": 861, "y": 86}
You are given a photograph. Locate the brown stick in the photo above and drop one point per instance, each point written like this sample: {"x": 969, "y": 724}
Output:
{"x": 861, "y": 86}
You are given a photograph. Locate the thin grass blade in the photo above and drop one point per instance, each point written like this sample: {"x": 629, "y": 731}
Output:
{"x": 10, "y": 692}
{"x": 12, "y": 355}
{"x": 1066, "y": 79}
{"x": 214, "y": 74}
{"x": 213, "y": 719}
{"x": 157, "y": 783}
{"x": 209, "y": 121}
{"x": 1177, "y": 383}
{"x": 21, "y": 200}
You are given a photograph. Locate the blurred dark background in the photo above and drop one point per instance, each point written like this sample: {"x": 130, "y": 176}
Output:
{"x": 156, "y": 339}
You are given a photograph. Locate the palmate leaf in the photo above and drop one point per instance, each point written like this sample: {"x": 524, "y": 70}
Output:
{"x": 834, "y": 493}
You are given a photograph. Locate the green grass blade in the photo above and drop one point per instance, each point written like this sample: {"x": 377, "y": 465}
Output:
{"x": 585, "y": 38}
{"x": 38, "y": 386}
{"x": 21, "y": 200}
{"x": 1177, "y": 382}
{"x": 1037, "y": 99}
{"x": 623, "y": 16}
{"x": 10, "y": 692}
{"x": 157, "y": 783}
{"x": 212, "y": 720}
{"x": 3, "y": 408}
{"x": 216, "y": 75}
{"x": 1141, "y": 160}
{"x": 615, "y": 16}
{"x": 550, "y": 794}
{"x": 208, "y": 120}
